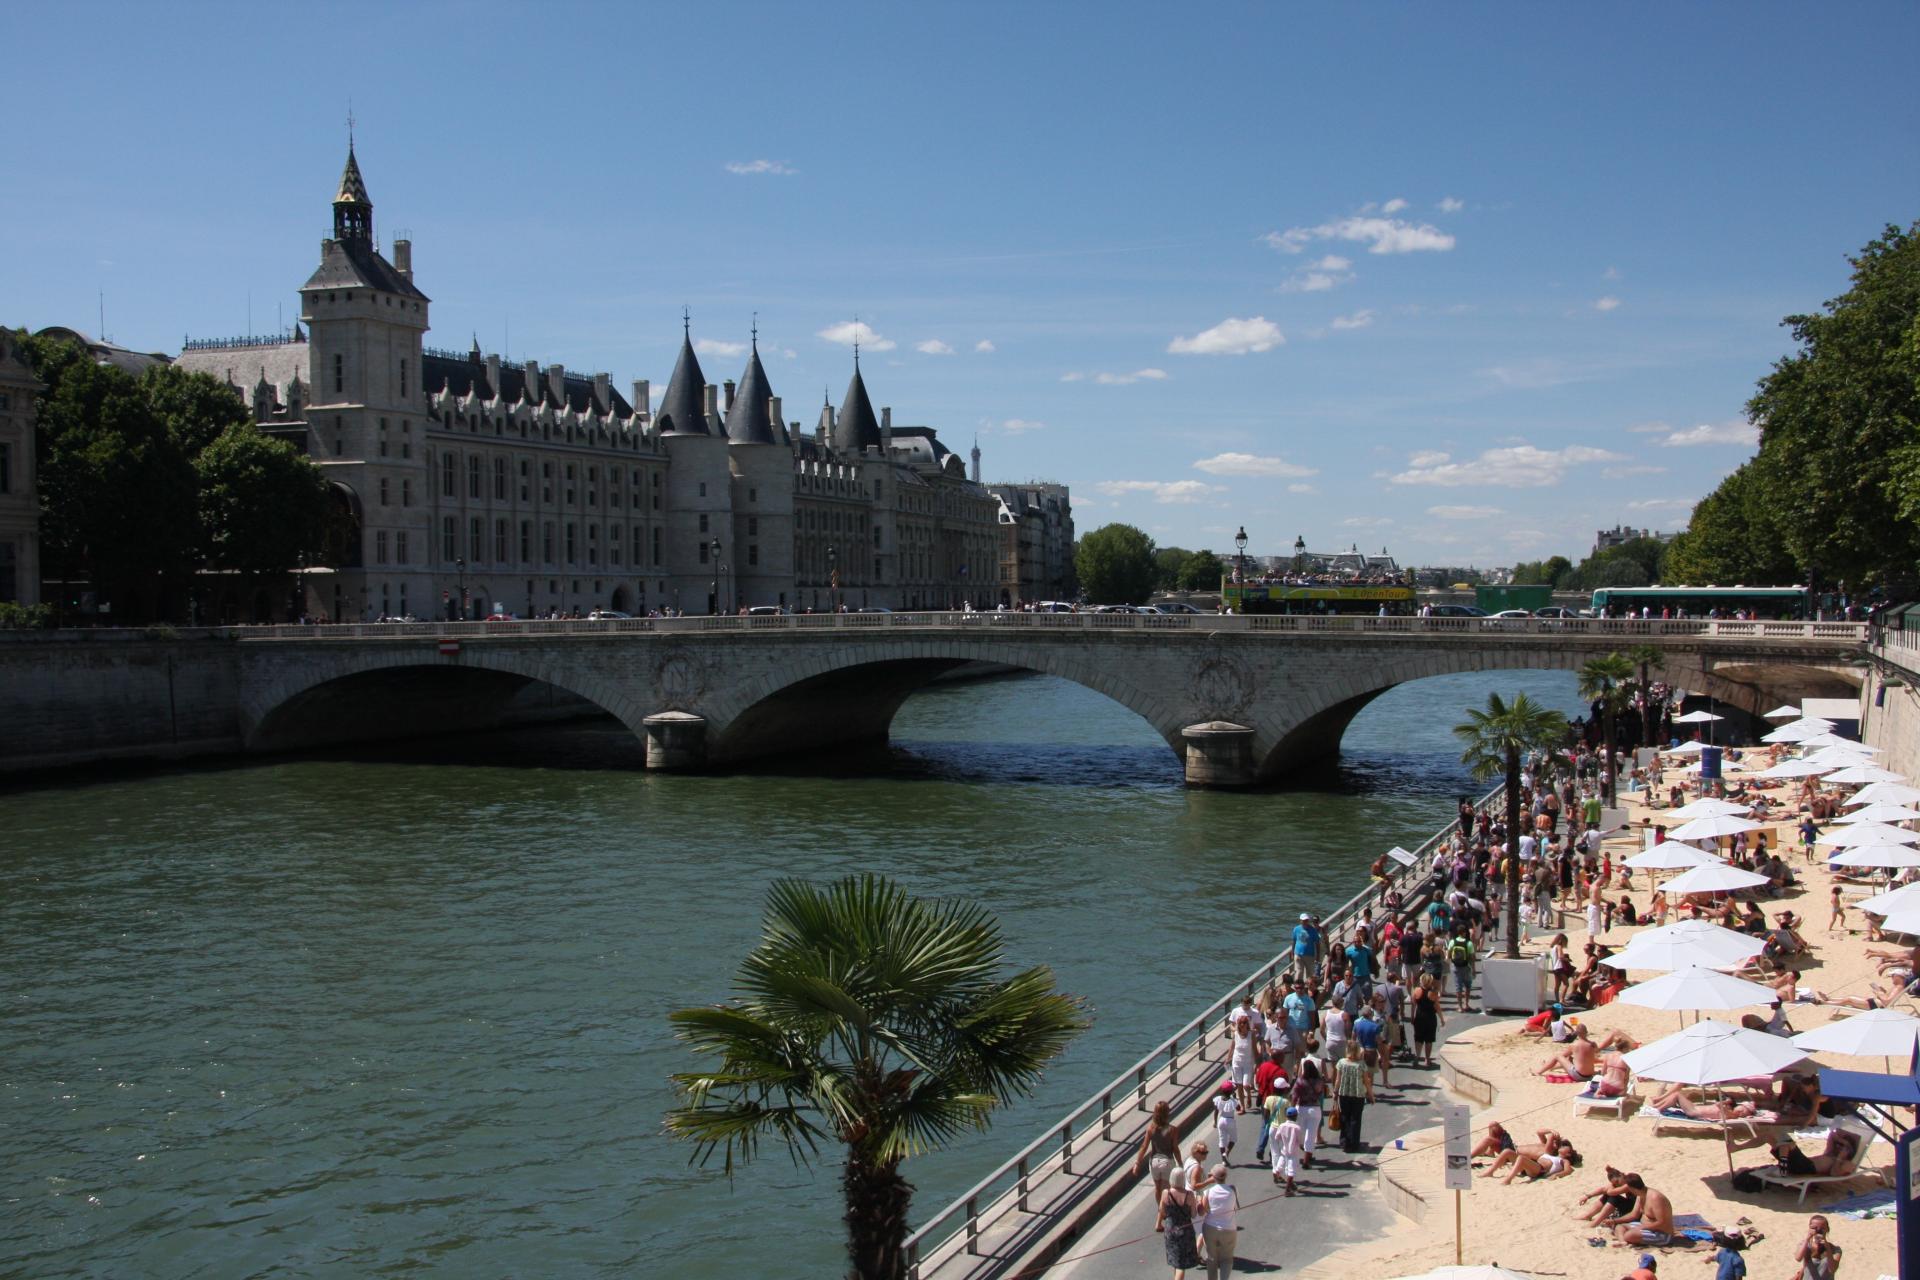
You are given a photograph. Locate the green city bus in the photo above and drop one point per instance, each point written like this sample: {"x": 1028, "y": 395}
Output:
{"x": 1281, "y": 597}
{"x": 1771, "y": 604}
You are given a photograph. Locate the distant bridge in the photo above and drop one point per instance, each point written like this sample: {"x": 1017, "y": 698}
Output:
{"x": 1240, "y": 699}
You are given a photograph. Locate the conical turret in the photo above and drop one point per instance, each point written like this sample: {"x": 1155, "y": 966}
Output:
{"x": 856, "y": 429}
{"x": 750, "y": 420}
{"x": 352, "y": 206}
{"x": 683, "y": 409}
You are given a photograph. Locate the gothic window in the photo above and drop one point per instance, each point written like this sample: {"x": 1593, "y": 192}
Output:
{"x": 447, "y": 548}
{"x": 753, "y": 525}
{"x": 500, "y": 541}
{"x": 477, "y": 539}
{"x": 703, "y": 552}
{"x": 339, "y": 373}
{"x": 546, "y": 542}
{"x": 656, "y": 547}
{"x": 526, "y": 541}
{"x": 446, "y": 474}
{"x": 500, "y": 478}
{"x": 400, "y": 547}
{"x": 573, "y": 550}
{"x": 406, "y": 493}
{"x": 473, "y": 476}
{"x": 383, "y": 491}
{"x": 753, "y": 553}
{"x": 380, "y": 547}
{"x": 703, "y": 522}
{"x": 403, "y": 377}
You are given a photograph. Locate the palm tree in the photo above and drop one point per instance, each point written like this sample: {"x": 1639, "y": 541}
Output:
{"x": 1646, "y": 657}
{"x": 1496, "y": 739}
{"x": 1604, "y": 680}
{"x": 874, "y": 1019}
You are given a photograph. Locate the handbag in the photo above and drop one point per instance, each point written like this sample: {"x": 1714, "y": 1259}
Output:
{"x": 1333, "y": 1120}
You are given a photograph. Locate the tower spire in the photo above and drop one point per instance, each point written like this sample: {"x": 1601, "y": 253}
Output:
{"x": 352, "y": 206}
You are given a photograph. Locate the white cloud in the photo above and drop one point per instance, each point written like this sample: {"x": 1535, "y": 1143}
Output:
{"x": 1231, "y": 337}
{"x": 1166, "y": 491}
{"x": 1358, "y": 320}
{"x": 1512, "y": 467}
{"x": 933, "y": 347}
{"x": 1608, "y": 303}
{"x": 1659, "y": 504}
{"x": 1249, "y": 464}
{"x": 984, "y": 346}
{"x": 1611, "y": 273}
{"x": 1124, "y": 379}
{"x": 1628, "y": 472}
{"x": 1394, "y": 205}
{"x": 1014, "y": 426}
{"x": 848, "y": 332}
{"x": 1302, "y": 488}
{"x": 1736, "y": 432}
{"x": 711, "y": 347}
{"x": 1073, "y": 376}
{"x": 1451, "y": 205}
{"x": 1367, "y": 522}
{"x": 1380, "y": 235}
{"x": 1464, "y": 513}
{"x": 1319, "y": 276}
{"x": 761, "y": 166}
{"x": 1332, "y": 262}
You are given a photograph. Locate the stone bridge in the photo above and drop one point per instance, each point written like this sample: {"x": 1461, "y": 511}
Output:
{"x": 1240, "y": 699}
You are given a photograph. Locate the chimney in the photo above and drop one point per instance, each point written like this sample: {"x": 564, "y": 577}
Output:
{"x": 826, "y": 422}
{"x": 643, "y": 399}
{"x": 403, "y": 258}
{"x": 713, "y": 401}
{"x": 493, "y": 373}
{"x": 532, "y": 389}
{"x": 729, "y": 389}
{"x": 557, "y": 383}
{"x": 886, "y": 431}
{"x": 773, "y": 415}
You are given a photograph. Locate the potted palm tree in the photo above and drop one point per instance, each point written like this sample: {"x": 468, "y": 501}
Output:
{"x": 871, "y": 1019}
{"x": 1495, "y": 741}
{"x": 1604, "y": 680}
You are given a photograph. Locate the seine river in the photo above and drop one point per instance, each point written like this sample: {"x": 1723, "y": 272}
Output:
{"x": 406, "y": 1014}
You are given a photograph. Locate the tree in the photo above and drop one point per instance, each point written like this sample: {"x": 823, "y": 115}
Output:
{"x": 1115, "y": 564}
{"x": 263, "y": 506}
{"x": 876, "y": 1020}
{"x": 1645, "y": 658}
{"x": 1201, "y": 571}
{"x": 1495, "y": 740}
{"x": 1732, "y": 538}
{"x": 1167, "y": 563}
{"x": 1604, "y": 680}
{"x": 1839, "y": 460}
{"x": 1546, "y": 572}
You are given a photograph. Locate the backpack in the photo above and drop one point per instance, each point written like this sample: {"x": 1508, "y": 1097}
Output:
{"x": 1460, "y": 951}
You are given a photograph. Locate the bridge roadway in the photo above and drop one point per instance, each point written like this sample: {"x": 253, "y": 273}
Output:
{"x": 1241, "y": 699}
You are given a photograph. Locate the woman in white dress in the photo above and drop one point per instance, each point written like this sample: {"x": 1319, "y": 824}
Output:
{"x": 1241, "y": 1061}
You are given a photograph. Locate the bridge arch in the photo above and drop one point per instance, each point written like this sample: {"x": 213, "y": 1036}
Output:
{"x": 410, "y": 690}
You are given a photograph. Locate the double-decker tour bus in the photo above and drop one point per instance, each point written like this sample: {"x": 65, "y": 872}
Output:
{"x": 1286, "y": 597}
{"x": 1769, "y": 604}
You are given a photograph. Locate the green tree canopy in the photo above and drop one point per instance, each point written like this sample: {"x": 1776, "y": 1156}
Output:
{"x": 1493, "y": 744}
{"x": 1733, "y": 538}
{"x": 1839, "y": 460}
{"x": 872, "y": 1019}
{"x": 1167, "y": 563}
{"x": 1605, "y": 680}
{"x": 263, "y": 507}
{"x": 1201, "y": 571}
{"x": 1546, "y": 572}
{"x": 1115, "y": 565}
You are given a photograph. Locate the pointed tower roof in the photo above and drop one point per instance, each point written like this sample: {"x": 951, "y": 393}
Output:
{"x": 353, "y": 189}
{"x": 352, "y": 206}
{"x": 683, "y": 410}
{"x": 856, "y": 427}
{"x": 749, "y": 421}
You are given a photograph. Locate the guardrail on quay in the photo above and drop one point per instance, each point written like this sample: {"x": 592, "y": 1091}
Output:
{"x": 1021, "y": 1208}
{"x": 1292, "y": 624}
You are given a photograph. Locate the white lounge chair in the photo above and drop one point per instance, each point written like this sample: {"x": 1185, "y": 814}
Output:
{"x": 1863, "y": 1138}
{"x": 1661, "y": 1120}
{"x": 1587, "y": 1100}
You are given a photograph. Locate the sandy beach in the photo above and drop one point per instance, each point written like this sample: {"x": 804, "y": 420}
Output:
{"x": 1532, "y": 1226}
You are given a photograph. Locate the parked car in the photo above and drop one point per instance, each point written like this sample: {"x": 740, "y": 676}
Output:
{"x": 1556, "y": 611}
{"x": 1148, "y": 608}
{"x": 765, "y": 611}
{"x": 606, "y": 615}
{"x": 1512, "y": 613}
{"x": 501, "y": 615}
{"x": 1457, "y": 611}
{"x": 1178, "y": 606}
{"x": 873, "y": 608}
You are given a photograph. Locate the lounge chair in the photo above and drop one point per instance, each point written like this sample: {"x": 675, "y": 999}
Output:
{"x": 1846, "y": 1173}
{"x": 1667, "y": 1120}
{"x": 1587, "y": 1100}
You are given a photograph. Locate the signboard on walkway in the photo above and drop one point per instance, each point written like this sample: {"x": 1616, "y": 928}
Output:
{"x": 1457, "y": 1118}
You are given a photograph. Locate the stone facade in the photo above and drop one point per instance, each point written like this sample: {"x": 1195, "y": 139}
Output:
{"x": 528, "y": 488}
{"x": 19, "y": 503}
{"x": 1036, "y": 542}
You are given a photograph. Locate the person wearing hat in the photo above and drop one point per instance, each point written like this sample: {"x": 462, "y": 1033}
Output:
{"x": 1646, "y": 1269}
{"x": 1306, "y": 945}
{"x": 1226, "y": 1118}
{"x": 1289, "y": 1144}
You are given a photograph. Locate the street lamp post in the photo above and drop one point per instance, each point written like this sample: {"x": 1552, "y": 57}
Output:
{"x": 714, "y": 549}
{"x": 1240, "y": 554}
{"x": 461, "y": 565}
{"x": 1299, "y": 554}
{"x": 833, "y": 578}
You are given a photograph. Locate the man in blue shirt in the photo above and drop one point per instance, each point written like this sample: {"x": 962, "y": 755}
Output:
{"x": 1306, "y": 943}
{"x": 1360, "y": 960}
{"x": 1300, "y": 1011}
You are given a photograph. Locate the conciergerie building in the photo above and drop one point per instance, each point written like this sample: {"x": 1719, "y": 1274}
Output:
{"x": 528, "y": 488}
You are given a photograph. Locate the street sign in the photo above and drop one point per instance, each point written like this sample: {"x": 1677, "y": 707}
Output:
{"x": 1457, "y": 1118}
{"x": 448, "y": 648}
{"x": 1401, "y": 856}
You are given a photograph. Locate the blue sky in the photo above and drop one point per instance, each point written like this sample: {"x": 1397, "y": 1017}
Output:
{"x": 1468, "y": 282}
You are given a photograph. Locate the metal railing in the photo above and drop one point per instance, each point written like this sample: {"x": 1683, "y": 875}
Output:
{"x": 1288, "y": 624}
{"x": 1007, "y": 1189}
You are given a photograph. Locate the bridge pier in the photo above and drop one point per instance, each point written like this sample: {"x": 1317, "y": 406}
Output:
{"x": 676, "y": 740}
{"x": 1219, "y": 754}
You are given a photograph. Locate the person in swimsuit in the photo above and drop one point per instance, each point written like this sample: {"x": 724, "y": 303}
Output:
{"x": 1677, "y": 1100}
{"x": 1159, "y": 1152}
{"x": 1610, "y": 1200}
{"x": 1578, "y": 1058}
{"x": 1556, "y": 1162}
{"x": 1654, "y": 1223}
{"x": 1496, "y": 1141}
{"x": 1549, "y": 1141}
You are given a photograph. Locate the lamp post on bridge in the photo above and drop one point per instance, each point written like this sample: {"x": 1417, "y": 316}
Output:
{"x": 460, "y": 565}
{"x": 1299, "y": 554}
{"x": 1240, "y": 555}
{"x": 713, "y": 606}
{"x": 833, "y": 578}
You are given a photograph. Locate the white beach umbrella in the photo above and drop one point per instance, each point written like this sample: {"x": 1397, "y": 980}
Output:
{"x": 1708, "y": 808}
{"x": 1880, "y": 811}
{"x": 1685, "y": 945}
{"x": 1891, "y": 792}
{"x": 1867, "y": 833}
{"x": 1838, "y": 755}
{"x": 1876, "y": 855}
{"x": 1718, "y": 878}
{"x": 1880, "y": 904}
{"x": 1697, "y": 717}
{"x": 1787, "y": 712}
{"x": 1876, "y": 1033}
{"x": 1674, "y": 855}
{"x": 1854, "y": 774}
{"x": 1471, "y": 1273}
{"x": 1829, "y": 739}
{"x": 1697, "y": 988}
{"x": 1787, "y": 733}
{"x": 1796, "y": 769}
{"x": 1688, "y": 749}
{"x": 1905, "y": 919}
{"x": 1711, "y": 1052}
{"x": 1713, "y": 828}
